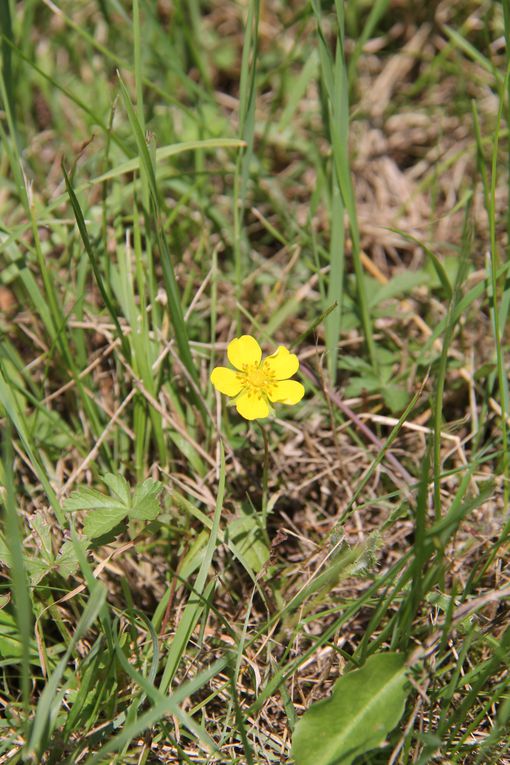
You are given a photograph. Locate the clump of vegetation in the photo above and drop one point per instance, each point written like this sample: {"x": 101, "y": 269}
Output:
{"x": 185, "y": 581}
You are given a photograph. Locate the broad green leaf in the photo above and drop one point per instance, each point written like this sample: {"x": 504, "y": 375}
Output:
{"x": 364, "y": 707}
{"x": 10, "y": 639}
{"x": 395, "y": 397}
{"x": 355, "y": 364}
{"x": 145, "y": 503}
{"x": 42, "y": 528}
{"x": 91, "y": 499}
{"x": 37, "y": 567}
{"x": 119, "y": 486}
{"x": 246, "y": 533}
{"x": 66, "y": 562}
{"x": 360, "y": 385}
{"x": 108, "y": 511}
{"x": 100, "y": 522}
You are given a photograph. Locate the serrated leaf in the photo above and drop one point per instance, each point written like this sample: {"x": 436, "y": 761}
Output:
{"x": 38, "y": 568}
{"x": 91, "y": 499}
{"x": 395, "y": 397}
{"x": 43, "y": 531}
{"x": 66, "y": 563}
{"x": 385, "y": 356}
{"x": 355, "y": 364}
{"x": 359, "y": 385}
{"x": 99, "y": 522}
{"x": 119, "y": 486}
{"x": 145, "y": 503}
{"x": 366, "y": 704}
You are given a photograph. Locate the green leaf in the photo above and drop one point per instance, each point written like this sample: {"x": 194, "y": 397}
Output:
{"x": 108, "y": 511}
{"x": 91, "y": 499}
{"x": 400, "y": 285}
{"x": 164, "y": 152}
{"x": 395, "y": 397}
{"x": 67, "y": 562}
{"x": 247, "y": 534}
{"x": 365, "y": 706}
{"x": 11, "y": 643}
{"x": 355, "y": 364}
{"x": 440, "y": 270}
{"x": 360, "y": 385}
{"x": 119, "y": 486}
{"x": 42, "y": 528}
{"x": 102, "y": 521}
{"x": 5, "y": 553}
{"x": 145, "y": 500}
{"x": 37, "y": 566}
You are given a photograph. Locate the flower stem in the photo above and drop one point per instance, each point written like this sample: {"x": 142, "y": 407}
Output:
{"x": 264, "y": 476}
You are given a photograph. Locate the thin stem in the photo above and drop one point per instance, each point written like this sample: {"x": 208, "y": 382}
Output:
{"x": 265, "y": 472}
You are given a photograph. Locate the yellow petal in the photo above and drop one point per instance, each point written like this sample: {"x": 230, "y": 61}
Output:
{"x": 226, "y": 381}
{"x": 282, "y": 363}
{"x": 244, "y": 350}
{"x": 287, "y": 392}
{"x": 252, "y": 407}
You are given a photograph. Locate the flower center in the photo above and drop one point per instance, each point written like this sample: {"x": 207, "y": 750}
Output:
{"x": 257, "y": 380}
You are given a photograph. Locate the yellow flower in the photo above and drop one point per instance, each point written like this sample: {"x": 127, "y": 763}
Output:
{"x": 257, "y": 384}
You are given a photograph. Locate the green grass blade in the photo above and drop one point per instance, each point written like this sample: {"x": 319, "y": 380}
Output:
{"x": 380, "y": 456}
{"x": 164, "y": 152}
{"x": 195, "y": 606}
{"x": 247, "y": 101}
{"x": 80, "y": 220}
{"x": 68, "y": 93}
{"x": 489, "y": 186}
{"x": 443, "y": 360}
{"x": 7, "y": 43}
{"x": 169, "y": 705}
{"x": 334, "y": 75}
{"x": 12, "y": 408}
{"x": 20, "y": 588}
{"x": 420, "y": 558}
{"x": 333, "y": 322}
{"x": 157, "y": 697}
{"x": 51, "y": 698}
{"x": 377, "y": 11}
{"x": 137, "y": 59}
{"x": 172, "y": 290}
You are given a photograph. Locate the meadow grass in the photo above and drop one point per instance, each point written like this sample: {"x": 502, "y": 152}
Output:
{"x": 177, "y": 584}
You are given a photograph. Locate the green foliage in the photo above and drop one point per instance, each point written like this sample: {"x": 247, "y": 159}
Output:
{"x": 365, "y": 379}
{"x": 323, "y": 178}
{"x": 105, "y": 512}
{"x": 248, "y": 539}
{"x": 364, "y": 707}
{"x": 45, "y": 561}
